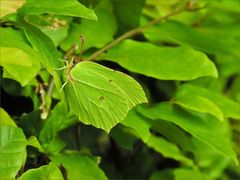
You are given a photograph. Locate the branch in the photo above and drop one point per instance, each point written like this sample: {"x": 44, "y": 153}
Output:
{"x": 131, "y": 33}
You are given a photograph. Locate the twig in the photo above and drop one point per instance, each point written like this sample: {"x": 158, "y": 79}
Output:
{"x": 139, "y": 30}
{"x": 124, "y": 36}
{"x": 132, "y": 33}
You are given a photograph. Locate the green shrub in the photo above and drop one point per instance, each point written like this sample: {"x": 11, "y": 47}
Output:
{"x": 111, "y": 89}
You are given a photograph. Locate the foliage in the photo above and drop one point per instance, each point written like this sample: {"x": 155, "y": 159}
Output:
{"x": 109, "y": 89}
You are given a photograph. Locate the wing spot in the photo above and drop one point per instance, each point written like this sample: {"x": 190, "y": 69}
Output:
{"x": 110, "y": 80}
{"x": 101, "y": 98}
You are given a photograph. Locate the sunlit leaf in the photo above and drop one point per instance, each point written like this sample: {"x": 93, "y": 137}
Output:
{"x": 10, "y": 6}
{"x": 5, "y": 119}
{"x": 56, "y": 27}
{"x": 17, "y": 57}
{"x": 139, "y": 124}
{"x": 79, "y": 166}
{"x": 10, "y": 61}
{"x": 46, "y": 172}
{"x": 200, "y": 104}
{"x": 207, "y": 101}
{"x": 45, "y": 47}
{"x": 33, "y": 141}
{"x": 184, "y": 173}
{"x": 167, "y": 63}
{"x": 60, "y": 7}
{"x": 12, "y": 151}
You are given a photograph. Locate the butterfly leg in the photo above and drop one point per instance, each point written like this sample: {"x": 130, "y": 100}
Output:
{"x": 63, "y": 86}
{"x": 58, "y": 69}
{"x": 64, "y": 67}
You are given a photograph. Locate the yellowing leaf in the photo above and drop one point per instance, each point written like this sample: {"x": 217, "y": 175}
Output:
{"x": 10, "y": 6}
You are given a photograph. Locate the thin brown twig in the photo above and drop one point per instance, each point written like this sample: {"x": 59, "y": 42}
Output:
{"x": 132, "y": 33}
{"x": 124, "y": 36}
{"x": 139, "y": 30}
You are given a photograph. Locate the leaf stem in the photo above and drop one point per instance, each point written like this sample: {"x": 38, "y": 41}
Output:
{"x": 132, "y": 32}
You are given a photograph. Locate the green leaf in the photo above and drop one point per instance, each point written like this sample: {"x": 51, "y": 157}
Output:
{"x": 123, "y": 136}
{"x": 12, "y": 151}
{"x": 54, "y": 124}
{"x": 164, "y": 174}
{"x": 31, "y": 123}
{"x": 207, "y": 129}
{"x": 167, "y": 149}
{"x": 60, "y": 7}
{"x": 56, "y": 27}
{"x": 8, "y": 7}
{"x": 33, "y": 141}
{"x": 174, "y": 134}
{"x": 167, "y": 63}
{"x": 198, "y": 103}
{"x": 173, "y": 31}
{"x": 184, "y": 173}
{"x": 17, "y": 56}
{"x": 101, "y": 96}
{"x": 227, "y": 5}
{"x": 128, "y": 13}
{"x": 206, "y": 158}
{"x": 46, "y": 172}
{"x": 79, "y": 166}
{"x": 20, "y": 65}
{"x": 139, "y": 124}
{"x": 96, "y": 34}
{"x": 207, "y": 101}
{"x": 235, "y": 93}
{"x": 45, "y": 47}
{"x": 55, "y": 146}
{"x": 5, "y": 119}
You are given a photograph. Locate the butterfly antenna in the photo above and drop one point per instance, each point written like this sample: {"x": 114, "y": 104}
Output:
{"x": 63, "y": 86}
